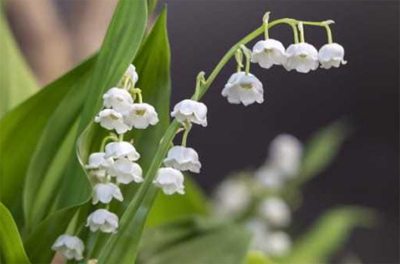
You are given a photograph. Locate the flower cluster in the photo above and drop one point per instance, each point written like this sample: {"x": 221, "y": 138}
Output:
{"x": 181, "y": 158}
{"x": 116, "y": 162}
{"x": 257, "y": 201}
{"x": 243, "y": 87}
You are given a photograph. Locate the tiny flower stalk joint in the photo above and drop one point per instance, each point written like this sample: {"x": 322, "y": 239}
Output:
{"x": 124, "y": 109}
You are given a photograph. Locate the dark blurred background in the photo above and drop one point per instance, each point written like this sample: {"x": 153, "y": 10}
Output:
{"x": 365, "y": 92}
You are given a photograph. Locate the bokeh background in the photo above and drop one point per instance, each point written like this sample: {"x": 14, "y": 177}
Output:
{"x": 56, "y": 35}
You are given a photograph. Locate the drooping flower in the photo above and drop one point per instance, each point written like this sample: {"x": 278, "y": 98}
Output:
{"x": 269, "y": 177}
{"x": 141, "y": 116}
{"x": 302, "y": 57}
{"x": 190, "y": 111}
{"x": 121, "y": 149}
{"x": 111, "y": 119}
{"x": 126, "y": 171}
{"x": 118, "y": 99}
{"x": 170, "y": 181}
{"x": 105, "y": 192}
{"x": 102, "y": 220}
{"x": 285, "y": 154}
{"x": 132, "y": 74}
{"x": 98, "y": 164}
{"x": 331, "y": 55}
{"x": 183, "y": 159}
{"x": 232, "y": 197}
{"x": 243, "y": 88}
{"x": 275, "y": 211}
{"x": 278, "y": 244}
{"x": 268, "y": 52}
{"x": 71, "y": 247}
{"x": 259, "y": 232}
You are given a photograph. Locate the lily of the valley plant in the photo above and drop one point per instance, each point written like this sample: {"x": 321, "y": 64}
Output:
{"x": 125, "y": 174}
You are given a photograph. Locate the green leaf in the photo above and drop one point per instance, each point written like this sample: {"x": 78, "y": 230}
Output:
{"x": 167, "y": 208}
{"x": 11, "y": 248}
{"x": 21, "y": 130}
{"x": 16, "y": 80}
{"x": 322, "y": 149}
{"x": 328, "y": 234}
{"x": 226, "y": 245}
{"x": 153, "y": 63}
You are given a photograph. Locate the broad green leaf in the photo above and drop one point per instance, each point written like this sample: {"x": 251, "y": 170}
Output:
{"x": 11, "y": 249}
{"x": 16, "y": 80}
{"x": 122, "y": 247}
{"x": 167, "y": 208}
{"x": 322, "y": 149}
{"x": 328, "y": 234}
{"x": 21, "y": 130}
{"x": 226, "y": 245}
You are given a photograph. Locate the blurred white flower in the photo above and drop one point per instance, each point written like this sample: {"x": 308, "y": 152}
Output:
{"x": 259, "y": 232}
{"x": 111, "y": 119}
{"x": 232, "y": 197}
{"x": 126, "y": 171}
{"x": 269, "y": 177}
{"x": 183, "y": 159}
{"x": 331, "y": 55}
{"x": 190, "y": 111}
{"x": 118, "y": 99}
{"x": 301, "y": 57}
{"x": 268, "y": 52}
{"x": 102, "y": 220}
{"x": 141, "y": 116}
{"x": 105, "y": 192}
{"x": 132, "y": 74}
{"x": 275, "y": 211}
{"x": 243, "y": 88}
{"x": 170, "y": 181}
{"x": 121, "y": 149}
{"x": 278, "y": 244}
{"x": 285, "y": 153}
{"x": 71, "y": 247}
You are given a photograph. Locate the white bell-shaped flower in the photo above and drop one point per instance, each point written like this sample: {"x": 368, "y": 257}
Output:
{"x": 183, "y": 159}
{"x": 331, "y": 55}
{"x": 132, "y": 74}
{"x": 102, "y": 220}
{"x": 118, "y": 99}
{"x": 190, "y": 111}
{"x": 232, "y": 197}
{"x": 97, "y": 160}
{"x": 268, "y": 52}
{"x": 302, "y": 57}
{"x": 243, "y": 88}
{"x": 126, "y": 171}
{"x": 275, "y": 211}
{"x": 170, "y": 181}
{"x": 105, "y": 192}
{"x": 121, "y": 149}
{"x": 269, "y": 177}
{"x": 278, "y": 244}
{"x": 111, "y": 119}
{"x": 71, "y": 247}
{"x": 285, "y": 153}
{"x": 141, "y": 116}
{"x": 259, "y": 231}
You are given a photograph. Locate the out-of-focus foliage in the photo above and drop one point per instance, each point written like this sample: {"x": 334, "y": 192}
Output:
{"x": 16, "y": 80}
{"x": 328, "y": 234}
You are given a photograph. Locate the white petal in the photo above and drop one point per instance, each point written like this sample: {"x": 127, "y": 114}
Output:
{"x": 71, "y": 247}
{"x": 118, "y": 99}
{"x": 301, "y": 57}
{"x": 132, "y": 74}
{"x": 331, "y": 55}
{"x": 126, "y": 171}
{"x": 190, "y": 111}
{"x": 268, "y": 53}
{"x": 170, "y": 181}
{"x": 104, "y": 220}
{"x": 183, "y": 159}
{"x": 275, "y": 211}
{"x": 112, "y": 120}
{"x": 141, "y": 116}
{"x": 285, "y": 153}
{"x": 243, "y": 88}
{"x": 121, "y": 149}
{"x": 105, "y": 192}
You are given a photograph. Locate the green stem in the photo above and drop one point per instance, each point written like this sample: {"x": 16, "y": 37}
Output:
{"x": 107, "y": 138}
{"x": 301, "y": 30}
{"x": 188, "y": 126}
{"x": 328, "y": 33}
